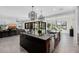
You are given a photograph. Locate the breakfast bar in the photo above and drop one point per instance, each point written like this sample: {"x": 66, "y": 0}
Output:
{"x": 37, "y": 44}
{"x": 36, "y": 39}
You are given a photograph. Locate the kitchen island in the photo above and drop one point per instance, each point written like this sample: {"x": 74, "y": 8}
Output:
{"x": 37, "y": 44}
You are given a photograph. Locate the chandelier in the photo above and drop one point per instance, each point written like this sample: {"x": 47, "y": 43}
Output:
{"x": 32, "y": 15}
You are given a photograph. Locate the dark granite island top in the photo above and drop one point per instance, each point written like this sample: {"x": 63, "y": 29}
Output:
{"x": 42, "y": 37}
{"x": 36, "y": 44}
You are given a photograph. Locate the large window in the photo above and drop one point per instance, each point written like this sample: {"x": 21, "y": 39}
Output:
{"x": 62, "y": 24}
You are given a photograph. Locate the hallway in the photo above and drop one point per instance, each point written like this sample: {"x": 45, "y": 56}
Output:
{"x": 67, "y": 45}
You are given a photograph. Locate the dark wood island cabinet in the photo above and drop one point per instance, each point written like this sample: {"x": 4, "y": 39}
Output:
{"x": 35, "y": 44}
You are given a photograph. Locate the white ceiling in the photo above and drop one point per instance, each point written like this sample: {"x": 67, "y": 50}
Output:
{"x": 22, "y": 11}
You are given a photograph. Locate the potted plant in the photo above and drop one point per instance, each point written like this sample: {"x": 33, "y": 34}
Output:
{"x": 40, "y": 32}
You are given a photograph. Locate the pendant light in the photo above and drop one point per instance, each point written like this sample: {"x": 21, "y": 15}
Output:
{"x": 41, "y": 17}
{"x": 32, "y": 15}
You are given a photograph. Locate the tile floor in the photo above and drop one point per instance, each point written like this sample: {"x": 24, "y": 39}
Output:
{"x": 11, "y": 45}
{"x": 67, "y": 45}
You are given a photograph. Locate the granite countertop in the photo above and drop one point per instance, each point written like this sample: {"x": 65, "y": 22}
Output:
{"x": 43, "y": 37}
